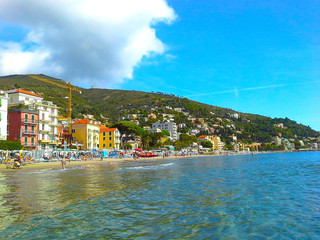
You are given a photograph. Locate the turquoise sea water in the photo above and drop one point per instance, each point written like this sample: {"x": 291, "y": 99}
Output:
{"x": 266, "y": 196}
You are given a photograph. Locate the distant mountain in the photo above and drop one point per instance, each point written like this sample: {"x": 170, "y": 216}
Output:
{"x": 113, "y": 104}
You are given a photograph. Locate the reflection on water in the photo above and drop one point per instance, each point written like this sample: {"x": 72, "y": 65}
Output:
{"x": 237, "y": 197}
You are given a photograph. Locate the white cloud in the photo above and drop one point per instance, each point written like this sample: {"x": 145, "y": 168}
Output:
{"x": 92, "y": 42}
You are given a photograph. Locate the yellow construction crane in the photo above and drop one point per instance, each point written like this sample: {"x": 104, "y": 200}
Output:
{"x": 70, "y": 89}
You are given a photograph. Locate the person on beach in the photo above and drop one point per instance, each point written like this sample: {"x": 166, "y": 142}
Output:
{"x": 63, "y": 163}
{"x": 16, "y": 164}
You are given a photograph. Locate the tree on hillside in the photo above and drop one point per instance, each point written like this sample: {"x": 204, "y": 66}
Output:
{"x": 128, "y": 128}
{"x": 165, "y": 133}
{"x": 207, "y": 144}
{"x": 185, "y": 141}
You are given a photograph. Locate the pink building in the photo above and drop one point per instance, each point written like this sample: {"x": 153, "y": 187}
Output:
{"x": 23, "y": 126}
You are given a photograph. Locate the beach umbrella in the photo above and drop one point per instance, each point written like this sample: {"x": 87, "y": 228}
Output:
{"x": 138, "y": 149}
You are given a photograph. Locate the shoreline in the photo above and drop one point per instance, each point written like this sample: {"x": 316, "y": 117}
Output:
{"x": 56, "y": 165}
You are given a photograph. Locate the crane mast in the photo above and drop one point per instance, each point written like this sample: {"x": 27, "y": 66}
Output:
{"x": 70, "y": 89}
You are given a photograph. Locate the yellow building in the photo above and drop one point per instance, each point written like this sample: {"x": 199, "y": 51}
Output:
{"x": 218, "y": 145}
{"x": 109, "y": 138}
{"x": 87, "y": 132}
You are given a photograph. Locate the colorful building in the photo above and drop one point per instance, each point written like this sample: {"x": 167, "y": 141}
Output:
{"x": 87, "y": 132}
{"x": 109, "y": 138}
{"x": 47, "y": 112}
{"x": 203, "y": 138}
{"x": 218, "y": 145}
{"x": 23, "y": 126}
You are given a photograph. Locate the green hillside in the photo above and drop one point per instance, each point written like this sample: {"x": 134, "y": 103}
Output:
{"x": 113, "y": 104}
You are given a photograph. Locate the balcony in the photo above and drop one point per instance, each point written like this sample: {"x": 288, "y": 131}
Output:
{"x": 45, "y": 120}
{"x": 54, "y": 134}
{"x": 29, "y": 132}
{"x": 30, "y": 121}
{"x": 44, "y": 131}
{"x": 30, "y": 145}
{"x": 48, "y": 141}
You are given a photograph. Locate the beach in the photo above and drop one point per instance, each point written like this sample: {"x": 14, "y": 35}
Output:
{"x": 54, "y": 165}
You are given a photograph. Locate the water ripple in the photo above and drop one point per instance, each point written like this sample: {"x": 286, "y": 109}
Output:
{"x": 271, "y": 196}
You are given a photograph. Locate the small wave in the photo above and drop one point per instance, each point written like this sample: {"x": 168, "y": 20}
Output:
{"x": 53, "y": 171}
{"x": 149, "y": 167}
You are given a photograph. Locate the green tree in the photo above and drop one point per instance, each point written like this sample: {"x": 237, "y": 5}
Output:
{"x": 207, "y": 144}
{"x": 165, "y": 133}
{"x": 10, "y": 145}
{"x": 128, "y": 128}
{"x": 146, "y": 139}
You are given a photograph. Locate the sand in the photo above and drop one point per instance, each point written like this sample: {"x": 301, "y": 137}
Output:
{"x": 53, "y": 165}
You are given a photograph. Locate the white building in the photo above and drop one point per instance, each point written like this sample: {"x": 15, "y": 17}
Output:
{"x": 20, "y": 96}
{"x": 48, "y": 115}
{"x": 48, "y": 124}
{"x": 178, "y": 109}
{"x": 234, "y": 115}
{"x": 277, "y": 140}
{"x": 194, "y": 132}
{"x": 3, "y": 115}
{"x": 169, "y": 126}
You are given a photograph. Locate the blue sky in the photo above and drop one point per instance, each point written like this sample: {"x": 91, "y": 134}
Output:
{"x": 251, "y": 56}
{"x": 220, "y": 51}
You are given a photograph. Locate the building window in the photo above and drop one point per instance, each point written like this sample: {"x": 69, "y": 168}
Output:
{"x": 32, "y": 141}
{"x": 25, "y": 128}
{"x": 32, "y": 129}
{"x": 32, "y": 118}
{"x": 25, "y": 140}
{"x": 42, "y": 116}
{"x": 110, "y": 138}
{"x": 104, "y": 138}
{"x": 110, "y": 144}
{"x": 26, "y": 117}
{"x": 104, "y": 134}
{"x": 104, "y": 145}
{"x": 73, "y": 131}
{"x": 110, "y": 133}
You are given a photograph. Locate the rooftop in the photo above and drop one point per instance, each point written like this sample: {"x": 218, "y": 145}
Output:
{"x": 24, "y": 92}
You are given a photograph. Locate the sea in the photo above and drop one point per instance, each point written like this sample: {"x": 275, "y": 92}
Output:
{"x": 264, "y": 196}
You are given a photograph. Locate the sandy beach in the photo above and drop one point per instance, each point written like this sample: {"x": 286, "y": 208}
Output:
{"x": 54, "y": 165}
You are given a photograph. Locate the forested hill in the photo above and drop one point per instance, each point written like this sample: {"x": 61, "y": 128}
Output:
{"x": 113, "y": 104}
